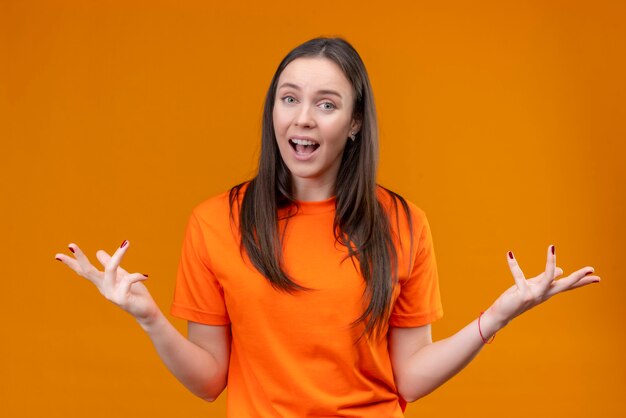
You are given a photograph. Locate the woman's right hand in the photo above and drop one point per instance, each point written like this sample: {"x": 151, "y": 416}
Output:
{"x": 114, "y": 283}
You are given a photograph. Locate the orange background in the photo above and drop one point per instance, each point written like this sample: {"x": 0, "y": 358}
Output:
{"x": 504, "y": 121}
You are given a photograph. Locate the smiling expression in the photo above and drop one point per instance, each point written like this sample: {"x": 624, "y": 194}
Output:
{"x": 312, "y": 118}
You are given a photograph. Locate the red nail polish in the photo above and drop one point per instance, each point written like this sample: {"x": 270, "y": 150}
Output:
{"x": 57, "y": 258}
{"x": 510, "y": 255}
{"x": 124, "y": 244}
{"x": 588, "y": 273}
{"x": 145, "y": 275}
{"x": 552, "y": 250}
{"x": 72, "y": 250}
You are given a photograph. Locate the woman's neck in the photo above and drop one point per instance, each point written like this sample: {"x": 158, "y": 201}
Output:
{"x": 312, "y": 190}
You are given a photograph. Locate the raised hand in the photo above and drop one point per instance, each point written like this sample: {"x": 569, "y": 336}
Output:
{"x": 114, "y": 283}
{"x": 527, "y": 293}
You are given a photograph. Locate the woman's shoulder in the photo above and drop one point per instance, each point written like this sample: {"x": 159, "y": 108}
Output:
{"x": 396, "y": 205}
{"x": 407, "y": 220}
{"x": 225, "y": 203}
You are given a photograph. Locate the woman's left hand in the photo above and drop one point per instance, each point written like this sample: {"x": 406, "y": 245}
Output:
{"x": 527, "y": 293}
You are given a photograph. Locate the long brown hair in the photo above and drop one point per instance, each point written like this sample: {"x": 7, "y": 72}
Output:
{"x": 361, "y": 223}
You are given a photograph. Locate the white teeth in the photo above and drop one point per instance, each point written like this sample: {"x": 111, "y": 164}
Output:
{"x": 302, "y": 141}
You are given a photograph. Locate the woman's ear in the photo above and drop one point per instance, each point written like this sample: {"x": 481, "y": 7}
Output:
{"x": 356, "y": 126}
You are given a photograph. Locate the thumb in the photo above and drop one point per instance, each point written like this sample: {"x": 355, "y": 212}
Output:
{"x": 558, "y": 272}
{"x": 104, "y": 257}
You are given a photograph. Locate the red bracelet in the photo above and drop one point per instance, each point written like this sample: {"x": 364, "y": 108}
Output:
{"x": 493, "y": 337}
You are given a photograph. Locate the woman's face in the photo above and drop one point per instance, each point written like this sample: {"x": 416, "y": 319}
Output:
{"x": 312, "y": 120}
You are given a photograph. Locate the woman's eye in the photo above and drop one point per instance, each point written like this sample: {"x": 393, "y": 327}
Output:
{"x": 328, "y": 106}
{"x": 289, "y": 99}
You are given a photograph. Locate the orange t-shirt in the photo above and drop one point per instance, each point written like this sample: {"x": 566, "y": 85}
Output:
{"x": 294, "y": 355}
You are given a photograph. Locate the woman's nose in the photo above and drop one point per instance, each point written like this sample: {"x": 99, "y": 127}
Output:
{"x": 303, "y": 117}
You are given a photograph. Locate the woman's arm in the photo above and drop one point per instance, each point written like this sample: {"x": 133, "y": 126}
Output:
{"x": 420, "y": 366}
{"x": 200, "y": 362}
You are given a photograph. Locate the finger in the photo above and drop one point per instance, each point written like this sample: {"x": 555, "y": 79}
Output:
{"x": 81, "y": 265}
{"x": 578, "y": 278}
{"x": 80, "y": 257}
{"x": 548, "y": 276}
{"x": 104, "y": 258}
{"x": 558, "y": 272}
{"x": 129, "y": 280}
{"x": 110, "y": 269}
{"x": 69, "y": 261}
{"x": 518, "y": 275}
{"x": 584, "y": 282}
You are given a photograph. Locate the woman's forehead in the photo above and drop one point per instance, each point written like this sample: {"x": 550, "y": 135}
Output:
{"x": 314, "y": 73}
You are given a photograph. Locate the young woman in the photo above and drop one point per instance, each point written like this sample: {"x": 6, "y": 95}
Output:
{"x": 310, "y": 290}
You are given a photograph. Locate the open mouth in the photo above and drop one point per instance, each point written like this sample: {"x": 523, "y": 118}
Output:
{"x": 303, "y": 146}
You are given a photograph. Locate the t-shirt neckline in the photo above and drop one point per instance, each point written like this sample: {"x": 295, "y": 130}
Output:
{"x": 315, "y": 207}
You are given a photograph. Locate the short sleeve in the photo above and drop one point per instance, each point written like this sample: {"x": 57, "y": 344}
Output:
{"x": 198, "y": 296}
{"x": 419, "y": 300}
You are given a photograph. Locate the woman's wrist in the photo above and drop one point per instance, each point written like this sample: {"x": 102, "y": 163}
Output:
{"x": 490, "y": 323}
{"x": 151, "y": 322}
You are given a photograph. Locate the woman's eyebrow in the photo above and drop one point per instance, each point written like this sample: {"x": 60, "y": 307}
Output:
{"x": 326, "y": 91}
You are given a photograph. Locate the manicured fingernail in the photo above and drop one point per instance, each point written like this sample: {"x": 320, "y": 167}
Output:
{"x": 588, "y": 273}
{"x": 145, "y": 275}
{"x": 552, "y": 248}
{"x": 72, "y": 250}
{"x": 510, "y": 255}
{"x": 596, "y": 281}
{"x": 124, "y": 244}
{"x": 57, "y": 258}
